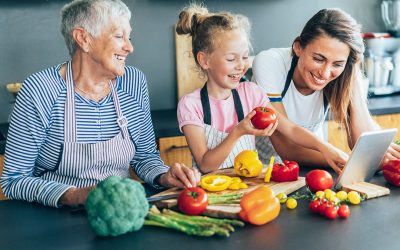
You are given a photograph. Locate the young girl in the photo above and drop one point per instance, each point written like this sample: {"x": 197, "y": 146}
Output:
{"x": 212, "y": 118}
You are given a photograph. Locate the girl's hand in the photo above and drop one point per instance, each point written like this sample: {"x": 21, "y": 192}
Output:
{"x": 335, "y": 157}
{"x": 245, "y": 127}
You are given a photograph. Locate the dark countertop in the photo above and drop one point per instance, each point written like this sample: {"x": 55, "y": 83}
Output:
{"x": 371, "y": 225}
{"x": 166, "y": 125}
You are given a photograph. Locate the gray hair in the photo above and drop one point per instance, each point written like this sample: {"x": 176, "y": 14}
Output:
{"x": 91, "y": 15}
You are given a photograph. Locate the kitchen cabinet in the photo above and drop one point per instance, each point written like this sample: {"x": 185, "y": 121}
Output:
{"x": 175, "y": 149}
{"x": 2, "y": 197}
{"x": 337, "y": 133}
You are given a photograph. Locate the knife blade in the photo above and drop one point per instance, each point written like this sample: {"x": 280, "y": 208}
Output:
{"x": 162, "y": 197}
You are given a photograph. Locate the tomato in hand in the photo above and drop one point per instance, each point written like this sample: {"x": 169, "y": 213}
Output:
{"x": 263, "y": 118}
{"x": 192, "y": 201}
{"x": 319, "y": 180}
{"x": 344, "y": 211}
{"x": 288, "y": 171}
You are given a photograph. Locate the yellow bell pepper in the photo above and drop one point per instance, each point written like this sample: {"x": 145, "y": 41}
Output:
{"x": 215, "y": 183}
{"x": 247, "y": 164}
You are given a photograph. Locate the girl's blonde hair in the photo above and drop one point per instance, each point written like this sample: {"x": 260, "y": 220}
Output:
{"x": 337, "y": 24}
{"x": 203, "y": 26}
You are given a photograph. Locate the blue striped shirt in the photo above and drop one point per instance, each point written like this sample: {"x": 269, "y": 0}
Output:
{"x": 36, "y": 132}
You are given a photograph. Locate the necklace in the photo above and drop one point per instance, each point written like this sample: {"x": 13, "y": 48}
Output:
{"x": 91, "y": 95}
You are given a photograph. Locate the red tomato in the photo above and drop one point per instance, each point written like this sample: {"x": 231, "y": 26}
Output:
{"x": 288, "y": 171}
{"x": 314, "y": 206}
{"x": 322, "y": 208}
{"x": 391, "y": 172}
{"x": 319, "y": 180}
{"x": 344, "y": 211}
{"x": 331, "y": 212}
{"x": 192, "y": 201}
{"x": 263, "y": 118}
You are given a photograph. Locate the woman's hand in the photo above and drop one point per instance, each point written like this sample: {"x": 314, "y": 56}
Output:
{"x": 75, "y": 196}
{"x": 335, "y": 157}
{"x": 392, "y": 153}
{"x": 180, "y": 176}
{"x": 245, "y": 127}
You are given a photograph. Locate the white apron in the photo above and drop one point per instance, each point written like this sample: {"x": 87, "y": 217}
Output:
{"x": 264, "y": 145}
{"x": 85, "y": 164}
{"x": 214, "y": 137}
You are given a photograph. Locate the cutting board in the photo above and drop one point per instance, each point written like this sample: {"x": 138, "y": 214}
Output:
{"x": 232, "y": 210}
{"x": 189, "y": 75}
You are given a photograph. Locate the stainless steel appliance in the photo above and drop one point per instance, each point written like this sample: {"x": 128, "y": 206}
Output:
{"x": 390, "y": 11}
{"x": 382, "y": 64}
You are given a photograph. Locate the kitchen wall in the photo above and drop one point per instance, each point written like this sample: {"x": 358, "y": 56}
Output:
{"x": 30, "y": 39}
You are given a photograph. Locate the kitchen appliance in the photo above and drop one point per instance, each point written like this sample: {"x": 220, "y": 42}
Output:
{"x": 382, "y": 63}
{"x": 390, "y": 11}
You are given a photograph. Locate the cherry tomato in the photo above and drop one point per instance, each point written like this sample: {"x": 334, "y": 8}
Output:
{"x": 344, "y": 211}
{"x": 291, "y": 203}
{"x": 354, "y": 197}
{"x": 263, "y": 118}
{"x": 319, "y": 180}
{"x": 331, "y": 212}
{"x": 192, "y": 201}
{"x": 322, "y": 208}
{"x": 314, "y": 206}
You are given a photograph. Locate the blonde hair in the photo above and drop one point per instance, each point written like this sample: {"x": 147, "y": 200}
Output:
{"x": 203, "y": 26}
{"x": 337, "y": 24}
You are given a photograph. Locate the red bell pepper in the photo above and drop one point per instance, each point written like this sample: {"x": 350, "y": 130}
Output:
{"x": 391, "y": 172}
{"x": 288, "y": 171}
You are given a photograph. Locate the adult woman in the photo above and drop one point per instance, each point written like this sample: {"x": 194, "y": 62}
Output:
{"x": 321, "y": 70}
{"x": 81, "y": 121}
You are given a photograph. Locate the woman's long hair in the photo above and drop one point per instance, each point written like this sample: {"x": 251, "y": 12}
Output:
{"x": 337, "y": 24}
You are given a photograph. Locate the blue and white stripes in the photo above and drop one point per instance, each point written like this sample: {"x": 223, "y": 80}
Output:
{"x": 36, "y": 131}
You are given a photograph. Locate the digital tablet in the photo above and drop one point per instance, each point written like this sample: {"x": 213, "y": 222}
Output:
{"x": 366, "y": 156}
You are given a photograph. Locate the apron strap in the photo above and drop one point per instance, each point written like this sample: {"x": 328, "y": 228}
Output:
{"x": 289, "y": 77}
{"x": 205, "y": 102}
{"x": 121, "y": 119}
{"x": 70, "y": 118}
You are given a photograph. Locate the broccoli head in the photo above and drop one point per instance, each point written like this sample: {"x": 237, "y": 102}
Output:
{"x": 397, "y": 141}
{"x": 116, "y": 206}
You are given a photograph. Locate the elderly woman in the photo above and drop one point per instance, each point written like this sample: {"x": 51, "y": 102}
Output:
{"x": 81, "y": 121}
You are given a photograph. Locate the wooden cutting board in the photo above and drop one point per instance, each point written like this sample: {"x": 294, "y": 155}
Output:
{"x": 232, "y": 210}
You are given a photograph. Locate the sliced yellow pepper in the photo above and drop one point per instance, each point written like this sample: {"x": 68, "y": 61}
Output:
{"x": 215, "y": 183}
{"x": 237, "y": 183}
{"x": 269, "y": 170}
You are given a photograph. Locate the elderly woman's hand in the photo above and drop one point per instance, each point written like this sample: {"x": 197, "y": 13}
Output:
{"x": 75, "y": 196}
{"x": 180, "y": 176}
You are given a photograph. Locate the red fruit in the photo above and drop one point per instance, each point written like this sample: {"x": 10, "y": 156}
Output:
{"x": 319, "y": 180}
{"x": 391, "y": 172}
{"x": 344, "y": 211}
{"x": 331, "y": 212}
{"x": 192, "y": 201}
{"x": 263, "y": 118}
{"x": 314, "y": 206}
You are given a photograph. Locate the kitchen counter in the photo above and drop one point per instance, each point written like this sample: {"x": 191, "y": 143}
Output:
{"x": 166, "y": 125}
{"x": 371, "y": 225}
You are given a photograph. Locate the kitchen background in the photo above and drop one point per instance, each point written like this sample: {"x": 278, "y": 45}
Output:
{"x": 30, "y": 39}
